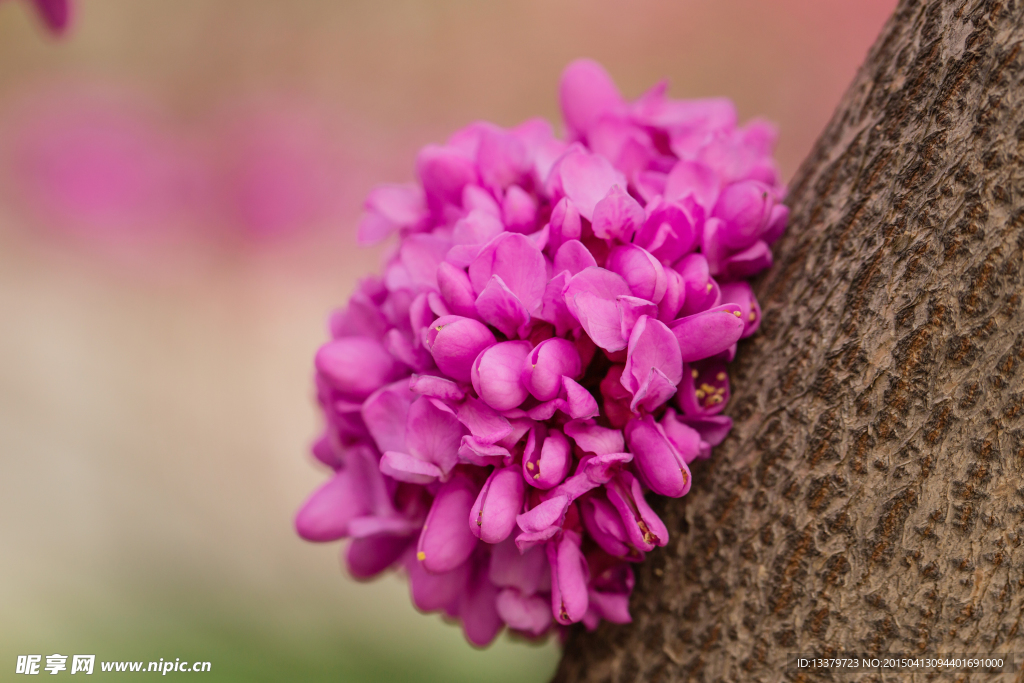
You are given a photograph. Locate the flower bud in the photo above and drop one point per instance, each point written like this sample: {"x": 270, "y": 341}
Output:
{"x": 455, "y": 342}
{"x": 496, "y": 374}
{"x": 493, "y": 516}
{"x": 545, "y": 366}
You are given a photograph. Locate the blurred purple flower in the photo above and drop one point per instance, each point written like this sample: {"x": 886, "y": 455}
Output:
{"x": 547, "y": 301}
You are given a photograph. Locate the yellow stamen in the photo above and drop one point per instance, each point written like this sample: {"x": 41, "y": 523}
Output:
{"x": 721, "y": 376}
{"x": 421, "y": 556}
{"x": 738, "y": 314}
{"x": 694, "y": 373}
{"x": 753, "y": 316}
{"x": 529, "y": 466}
{"x": 709, "y": 287}
{"x": 537, "y": 476}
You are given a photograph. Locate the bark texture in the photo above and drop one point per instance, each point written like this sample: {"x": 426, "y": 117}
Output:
{"x": 871, "y": 497}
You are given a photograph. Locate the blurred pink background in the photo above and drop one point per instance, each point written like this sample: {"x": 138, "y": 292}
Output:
{"x": 179, "y": 187}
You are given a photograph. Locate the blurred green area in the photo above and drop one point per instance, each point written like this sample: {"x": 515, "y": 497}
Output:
{"x": 254, "y": 640}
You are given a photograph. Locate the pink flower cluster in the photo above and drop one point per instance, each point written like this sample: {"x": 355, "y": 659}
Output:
{"x": 548, "y": 343}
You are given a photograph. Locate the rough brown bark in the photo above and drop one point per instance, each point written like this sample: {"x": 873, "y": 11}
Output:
{"x": 871, "y": 497}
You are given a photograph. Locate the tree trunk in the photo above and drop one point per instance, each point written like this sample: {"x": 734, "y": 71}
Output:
{"x": 871, "y": 496}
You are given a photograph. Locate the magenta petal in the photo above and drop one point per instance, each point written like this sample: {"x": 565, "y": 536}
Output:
{"x": 661, "y": 464}
{"x": 385, "y": 412}
{"x": 652, "y": 347}
{"x": 545, "y": 411}
{"x": 421, "y": 255}
{"x": 326, "y": 514}
{"x": 697, "y": 285}
{"x": 527, "y": 571}
{"x": 712, "y": 428}
{"x": 580, "y": 402}
{"x": 476, "y": 198}
{"x": 573, "y": 256}
{"x": 478, "y": 608}
{"x": 404, "y": 467}
{"x": 685, "y": 438}
{"x": 543, "y": 368}
{"x": 519, "y": 210}
{"x": 603, "y": 523}
{"x": 745, "y": 208}
{"x": 546, "y": 463}
{"x": 480, "y": 226}
{"x": 546, "y": 515}
{"x": 565, "y": 224}
{"x": 669, "y": 231}
{"x": 587, "y": 179}
{"x": 531, "y": 539}
{"x": 600, "y": 319}
{"x": 642, "y": 272}
{"x": 585, "y": 92}
{"x": 705, "y": 334}
{"x": 476, "y": 451}
{"x": 617, "y": 216}
{"x": 776, "y": 223}
{"x": 493, "y": 516}
{"x": 553, "y": 308}
{"x": 401, "y": 348}
{"x": 693, "y": 179}
{"x": 436, "y": 591}
{"x": 432, "y": 386}
{"x": 482, "y": 421}
{"x": 672, "y": 302}
{"x": 613, "y": 607}
{"x": 501, "y": 159}
{"x": 600, "y": 469}
{"x": 443, "y": 172}
{"x": 644, "y": 528}
{"x": 528, "y": 613}
{"x": 501, "y": 308}
{"x": 569, "y": 578}
{"x": 456, "y": 291}
{"x": 455, "y": 342}
{"x": 388, "y": 208}
{"x": 631, "y": 309}
{"x": 519, "y": 264}
{"x": 369, "y": 526}
{"x": 496, "y": 374}
{"x": 603, "y": 284}
{"x": 446, "y": 541}
{"x": 748, "y": 262}
{"x": 433, "y": 435}
{"x": 368, "y": 557}
{"x": 356, "y": 366}
{"x": 594, "y": 439}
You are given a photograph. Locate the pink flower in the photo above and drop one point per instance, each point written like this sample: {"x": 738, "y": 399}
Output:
{"x": 512, "y": 376}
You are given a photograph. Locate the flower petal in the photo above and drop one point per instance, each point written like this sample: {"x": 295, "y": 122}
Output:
{"x": 455, "y": 342}
{"x": 569, "y": 578}
{"x": 404, "y": 467}
{"x": 705, "y": 334}
{"x": 433, "y": 435}
{"x": 356, "y": 366}
{"x": 446, "y": 541}
{"x": 585, "y": 93}
{"x": 493, "y": 516}
{"x": 500, "y": 307}
{"x": 617, "y": 216}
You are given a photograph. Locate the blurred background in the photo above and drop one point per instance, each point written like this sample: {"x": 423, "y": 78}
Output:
{"x": 179, "y": 186}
